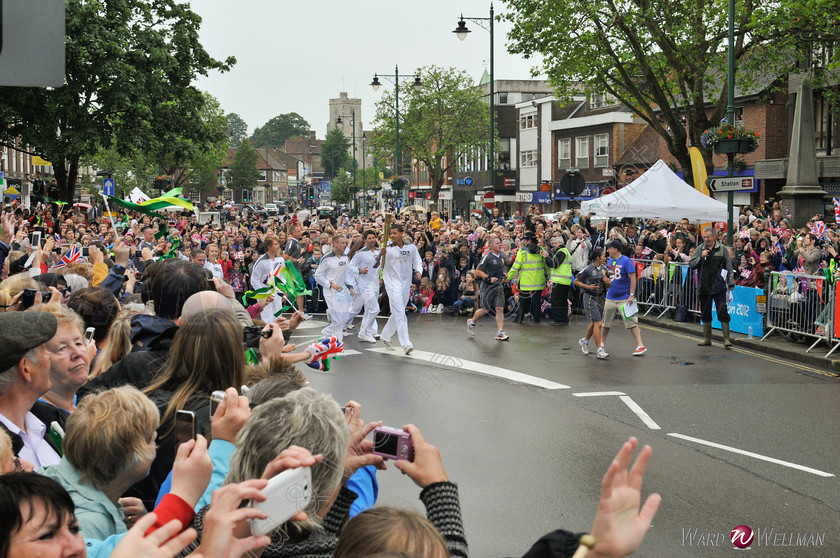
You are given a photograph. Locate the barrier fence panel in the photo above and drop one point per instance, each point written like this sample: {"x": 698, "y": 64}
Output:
{"x": 652, "y": 286}
{"x": 801, "y": 306}
{"x": 835, "y": 331}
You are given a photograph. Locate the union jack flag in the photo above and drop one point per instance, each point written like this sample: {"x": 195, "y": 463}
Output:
{"x": 665, "y": 233}
{"x": 646, "y": 252}
{"x": 745, "y": 234}
{"x": 818, "y": 228}
{"x": 544, "y": 306}
{"x": 71, "y": 256}
{"x": 837, "y": 211}
{"x": 240, "y": 255}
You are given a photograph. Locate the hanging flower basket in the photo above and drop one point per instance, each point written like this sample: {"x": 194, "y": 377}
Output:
{"x": 730, "y": 139}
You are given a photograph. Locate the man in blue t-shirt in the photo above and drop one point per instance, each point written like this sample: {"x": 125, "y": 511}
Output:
{"x": 622, "y": 274}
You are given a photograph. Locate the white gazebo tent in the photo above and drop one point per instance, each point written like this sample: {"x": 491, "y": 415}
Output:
{"x": 658, "y": 194}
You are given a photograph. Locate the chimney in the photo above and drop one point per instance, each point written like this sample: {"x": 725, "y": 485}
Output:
{"x": 311, "y": 135}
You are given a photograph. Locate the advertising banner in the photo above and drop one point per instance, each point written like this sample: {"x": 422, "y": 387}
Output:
{"x": 743, "y": 312}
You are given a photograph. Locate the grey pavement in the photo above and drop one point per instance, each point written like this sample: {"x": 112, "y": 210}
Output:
{"x": 739, "y": 436}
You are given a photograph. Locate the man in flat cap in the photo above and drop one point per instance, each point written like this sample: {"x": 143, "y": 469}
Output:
{"x": 24, "y": 377}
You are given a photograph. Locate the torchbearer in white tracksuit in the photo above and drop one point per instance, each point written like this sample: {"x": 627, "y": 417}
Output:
{"x": 263, "y": 269}
{"x": 330, "y": 275}
{"x": 365, "y": 272}
{"x": 400, "y": 261}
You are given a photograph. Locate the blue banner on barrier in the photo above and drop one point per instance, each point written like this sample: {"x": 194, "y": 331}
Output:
{"x": 742, "y": 312}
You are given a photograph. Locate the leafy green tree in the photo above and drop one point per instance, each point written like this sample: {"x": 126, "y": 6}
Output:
{"x": 236, "y": 128}
{"x": 667, "y": 60}
{"x": 129, "y": 70}
{"x": 442, "y": 120}
{"x": 243, "y": 172}
{"x": 194, "y": 164}
{"x": 334, "y": 152}
{"x": 276, "y": 131}
{"x": 340, "y": 186}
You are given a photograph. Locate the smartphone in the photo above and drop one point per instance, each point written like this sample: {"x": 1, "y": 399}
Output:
{"x": 35, "y": 239}
{"x": 85, "y": 252}
{"x": 89, "y": 335}
{"x": 184, "y": 427}
{"x": 215, "y": 398}
{"x": 393, "y": 443}
{"x": 286, "y": 494}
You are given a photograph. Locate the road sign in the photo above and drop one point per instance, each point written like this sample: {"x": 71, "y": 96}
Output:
{"x": 32, "y": 43}
{"x": 489, "y": 200}
{"x": 733, "y": 184}
{"x": 11, "y": 192}
{"x": 108, "y": 186}
{"x": 572, "y": 184}
{"x": 468, "y": 181}
{"x": 398, "y": 203}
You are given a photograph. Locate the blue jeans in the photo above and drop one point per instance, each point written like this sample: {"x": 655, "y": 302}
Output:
{"x": 463, "y": 304}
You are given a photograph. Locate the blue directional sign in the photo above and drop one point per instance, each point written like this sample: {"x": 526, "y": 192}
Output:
{"x": 468, "y": 181}
{"x": 108, "y": 186}
{"x": 398, "y": 203}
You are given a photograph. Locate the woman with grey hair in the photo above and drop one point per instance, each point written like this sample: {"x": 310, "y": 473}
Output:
{"x": 314, "y": 421}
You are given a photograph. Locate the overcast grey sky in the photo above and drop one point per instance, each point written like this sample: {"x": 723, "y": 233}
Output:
{"x": 293, "y": 56}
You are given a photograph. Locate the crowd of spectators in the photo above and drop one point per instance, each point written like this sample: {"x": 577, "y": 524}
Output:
{"x": 109, "y": 328}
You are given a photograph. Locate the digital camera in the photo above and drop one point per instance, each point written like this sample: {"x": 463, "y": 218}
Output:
{"x": 393, "y": 443}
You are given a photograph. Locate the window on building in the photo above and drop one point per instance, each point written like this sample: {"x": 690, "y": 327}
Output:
{"x": 527, "y": 121}
{"x": 502, "y": 99}
{"x": 601, "y": 100}
{"x": 528, "y": 158}
{"x": 602, "y": 150}
{"x": 527, "y": 96}
{"x": 582, "y": 153}
{"x": 564, "y": 153}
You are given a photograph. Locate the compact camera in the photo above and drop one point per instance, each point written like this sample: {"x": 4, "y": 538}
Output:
{"x": 393, "y": 443}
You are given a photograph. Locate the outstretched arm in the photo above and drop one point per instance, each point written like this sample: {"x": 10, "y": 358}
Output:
{"x": 620, "y": 526}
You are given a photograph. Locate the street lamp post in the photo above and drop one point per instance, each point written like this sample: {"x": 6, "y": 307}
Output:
{"x": 375, "y": 85}
{"x": 461, "y": 32}
{"x": 355, "y": 164}
{"x": 730, "y": 116}
{"x": 364, "y": 174}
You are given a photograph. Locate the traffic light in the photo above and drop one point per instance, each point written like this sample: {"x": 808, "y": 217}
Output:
{"x": 246, "y": 194}
{"x": 311, "y": 193}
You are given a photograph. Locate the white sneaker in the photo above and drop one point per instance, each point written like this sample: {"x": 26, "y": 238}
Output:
{"x": 471, "y": 327}
{"x": 366, "y": 339}
{"x": 408, "y": 349}
{"x": 584, "y": 345}
{"x": 387, "y": 344}
{"x": 350, "y": 327}
{"x": 602, "y": 353}
{"x": 307, "y": 316}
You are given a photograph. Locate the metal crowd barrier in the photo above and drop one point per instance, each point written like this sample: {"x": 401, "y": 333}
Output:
{"x": 653, "y": 286}
{"x": 800, "y": 305}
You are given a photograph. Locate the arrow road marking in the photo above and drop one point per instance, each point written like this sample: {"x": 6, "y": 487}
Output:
{"x": 597, "y": 393}
{"x": 481, "y": 368}
{"x": 751, "y": 454}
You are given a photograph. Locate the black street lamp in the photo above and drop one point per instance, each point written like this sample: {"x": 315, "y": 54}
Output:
{"x": 375, "y": 85}
{"x": 461, "y": 32}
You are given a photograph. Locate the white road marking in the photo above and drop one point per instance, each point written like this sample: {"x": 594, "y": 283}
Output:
{"x": 597, "y": 393}
{"x": 751, "y": 454}
{"x": 640, "y": 412}
{"x": 479, "y": 367}
{"x": 312, "y": 324}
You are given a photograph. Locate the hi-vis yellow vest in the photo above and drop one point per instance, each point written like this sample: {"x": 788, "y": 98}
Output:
{"x": 531, "y": 269}
{"x": 562, "y": 275}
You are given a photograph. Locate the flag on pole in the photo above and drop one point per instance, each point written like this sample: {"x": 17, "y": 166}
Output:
{"x": 73, "y": 255}
{"x": 837, "y": 211}
{"x": 286, "y": 278}
{"x": 744, "y": 234}
{"x": 155, "y": 204}
{"x": 137, "y": 196}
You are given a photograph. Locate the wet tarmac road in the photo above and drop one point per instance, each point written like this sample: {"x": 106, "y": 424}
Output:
{"x": 528, "y": 427}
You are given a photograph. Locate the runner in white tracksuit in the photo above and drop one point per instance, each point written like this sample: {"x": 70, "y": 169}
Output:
{"x": 330, "y": 275}
{"x": 262, "y": 269}
{"x": 364, "y": 272}
{"x": 400, "y": 260}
